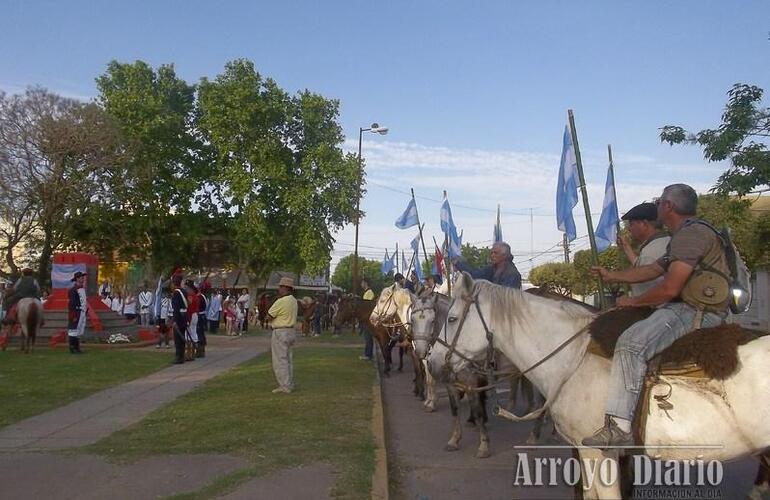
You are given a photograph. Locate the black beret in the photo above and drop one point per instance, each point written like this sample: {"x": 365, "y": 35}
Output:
{"x": 643, "y": 211}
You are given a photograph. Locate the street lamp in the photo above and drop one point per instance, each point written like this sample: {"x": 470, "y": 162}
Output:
{"x": 375, "y": 129}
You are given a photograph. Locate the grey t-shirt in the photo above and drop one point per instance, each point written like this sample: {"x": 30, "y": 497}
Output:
{"x": 651, "y": 251}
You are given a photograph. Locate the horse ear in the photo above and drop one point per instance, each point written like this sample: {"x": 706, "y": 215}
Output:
{"x": 467, "y": 281}
{"x": 412, "y": 297}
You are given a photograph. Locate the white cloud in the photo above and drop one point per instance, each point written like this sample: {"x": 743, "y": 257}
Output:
{"x": 477, "y": 180}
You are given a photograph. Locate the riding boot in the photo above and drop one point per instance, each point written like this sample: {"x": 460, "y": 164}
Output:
{"x": 201, "y": 351}
{"x": 198, "y": 350}
{"x": 71, "y": 342}
{"x": 77, "y": 345}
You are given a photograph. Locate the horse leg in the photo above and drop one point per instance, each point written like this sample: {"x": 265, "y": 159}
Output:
{"x": 762, "y": 481}
{"x": 400, "y": 358}
{"x": 593, "y": 486}
{"x": 430, "y": 389}
{"x": 514, "y": 390}
{"x": 419, "y": 378}
{"x": 457, "y": 431}
{"x": 479, "y": 407}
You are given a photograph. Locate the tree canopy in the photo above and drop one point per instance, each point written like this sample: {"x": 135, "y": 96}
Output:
{"x": 369, "y": 269}
{"x": 741, "y": 139}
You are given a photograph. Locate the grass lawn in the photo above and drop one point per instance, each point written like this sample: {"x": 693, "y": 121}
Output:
{"x": 327, "y": 419}
{"x": 31, "y": 384}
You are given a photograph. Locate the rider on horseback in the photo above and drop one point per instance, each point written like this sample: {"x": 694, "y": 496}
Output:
{"x": 691, "y": 296}
{"x": 26, "y": 287}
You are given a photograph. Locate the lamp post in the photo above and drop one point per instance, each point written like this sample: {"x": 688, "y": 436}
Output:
{"x": 375, "y": 129}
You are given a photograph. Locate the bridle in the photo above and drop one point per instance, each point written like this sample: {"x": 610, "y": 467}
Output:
{"x": 495, "y": 377}
{"x": 394, "y": 320}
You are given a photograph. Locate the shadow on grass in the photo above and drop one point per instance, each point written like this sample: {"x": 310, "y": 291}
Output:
{"x": 327, "y": 419}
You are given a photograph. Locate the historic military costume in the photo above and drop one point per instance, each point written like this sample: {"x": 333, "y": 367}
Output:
{"x": 179, "y": 317}
{"x": 77, "y": 307}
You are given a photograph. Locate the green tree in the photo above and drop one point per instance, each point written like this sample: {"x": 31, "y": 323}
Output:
{"x": 475, "y": 256}
{"x": 146, "y": 209}
{"x": 558, "y": 277}
{"x": 585, "y": 283}
{"x": 280, "y": 170}
{"x": 369, "y": 269}
{"x": 750, "y": 233}
{"x": 741, "y": 138}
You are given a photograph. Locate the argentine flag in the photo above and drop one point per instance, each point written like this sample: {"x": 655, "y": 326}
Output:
{"x": 409, "y": 217}
{"x": 606, "y": 230}
{"x": 387, "y": 264}
{"x": 566, "y": 187}
{"x": 449, "y": 228}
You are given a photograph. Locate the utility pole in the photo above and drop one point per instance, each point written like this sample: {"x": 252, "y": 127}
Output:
{"x": 565, "y": 244}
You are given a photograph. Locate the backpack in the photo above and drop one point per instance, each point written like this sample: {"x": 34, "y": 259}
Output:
{"x": 739, "y": 280}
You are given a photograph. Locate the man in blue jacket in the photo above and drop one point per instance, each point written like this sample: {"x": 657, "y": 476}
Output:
{"x": 501, "y": 269}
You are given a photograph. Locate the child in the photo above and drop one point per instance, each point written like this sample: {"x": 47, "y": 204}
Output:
{"x": 229, "y": 317}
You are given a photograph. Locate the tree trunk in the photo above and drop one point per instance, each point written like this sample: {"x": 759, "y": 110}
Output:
{"x": 46, "y": 253}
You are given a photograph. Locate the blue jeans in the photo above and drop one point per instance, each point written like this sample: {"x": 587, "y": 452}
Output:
{"x": 640, "y": 343}
{"x": 369, "y": 347}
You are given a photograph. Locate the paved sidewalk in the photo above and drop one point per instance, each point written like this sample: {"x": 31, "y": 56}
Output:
{"x": 88, "y": 420}
{"x": 424, "y": 471}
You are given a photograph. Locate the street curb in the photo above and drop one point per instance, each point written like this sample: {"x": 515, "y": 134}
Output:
{"x": 380, "y": 474}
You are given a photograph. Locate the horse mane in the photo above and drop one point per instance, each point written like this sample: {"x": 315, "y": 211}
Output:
{"x": 509, "y": 305}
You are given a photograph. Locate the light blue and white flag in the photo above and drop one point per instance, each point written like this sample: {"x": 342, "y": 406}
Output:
{"x": 606, "y": 230}
{"x": 387, "y": 264}
{"x": 449, "y": 228}
{"x": 566, "y": 187}
{"x": 418, "y": 266}
{"x": 409, "y": 218}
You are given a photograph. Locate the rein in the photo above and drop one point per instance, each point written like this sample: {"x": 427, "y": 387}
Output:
{"x": 488, "y": 368}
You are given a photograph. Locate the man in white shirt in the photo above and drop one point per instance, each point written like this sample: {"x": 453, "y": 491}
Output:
{"x": 215, "y": 307}
{"x": 645, "y": 229}
{"x": 145, "y": 301}
{"x": 245, "y": 301}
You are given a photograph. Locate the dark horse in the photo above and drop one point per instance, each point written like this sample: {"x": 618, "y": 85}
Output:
{"x": 351, "y": 308}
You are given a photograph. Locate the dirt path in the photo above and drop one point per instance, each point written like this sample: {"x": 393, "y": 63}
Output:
{"x": 422, "y": 470}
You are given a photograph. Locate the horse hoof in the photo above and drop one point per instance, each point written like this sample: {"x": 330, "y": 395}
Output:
{"x": 482, "y": 454}
{"x": 429, "y": 409}
{"x": 451, "y": 447}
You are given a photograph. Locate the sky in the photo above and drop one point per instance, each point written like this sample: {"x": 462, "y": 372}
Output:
{"x": 475, "y": 94}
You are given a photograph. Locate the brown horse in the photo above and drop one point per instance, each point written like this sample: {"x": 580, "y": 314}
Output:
{"x": 29, "y": 313}
{"x": 351, "y": 308}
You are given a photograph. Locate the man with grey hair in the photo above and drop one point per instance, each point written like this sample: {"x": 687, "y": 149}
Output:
{"x": 692, "y": 295}
{"x": 501, "y": 269}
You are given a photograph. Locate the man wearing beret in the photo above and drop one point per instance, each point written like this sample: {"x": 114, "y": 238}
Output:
{"x": 645, "y": 228}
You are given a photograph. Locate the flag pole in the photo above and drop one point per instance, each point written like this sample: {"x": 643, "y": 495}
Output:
{"x": 398, "y": 270}
{"x": 584, "y": 194}
{"x": 419, "y": 226}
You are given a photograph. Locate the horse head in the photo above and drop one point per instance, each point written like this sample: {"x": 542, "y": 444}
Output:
{"x": 423, "y": 322}
{"x": 385, "y": 308}
{"x": 463, "y": 335}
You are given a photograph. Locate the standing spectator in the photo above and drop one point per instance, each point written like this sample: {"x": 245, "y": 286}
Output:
{"x": 145, "y": 301}
{"x": 215, "y": 307}
{"x": 203, "y": 305}
{"x": 245, "y": 302}
{"x": 117, "y": 303}
{"x": 362, "y": 328}
{"x": 240, "y": 318}
{"x": 179, "y": 315}
{"x": 165, "y": 306}
{"x": 192, "y": 317}
{"x": 283, "y": 318}
{"x": 129, "y": 307}
{"x": 77, "y": 306}
{"x": 105, "y": 290}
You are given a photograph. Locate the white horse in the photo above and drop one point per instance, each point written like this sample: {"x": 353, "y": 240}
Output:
{"x": 396, "y": 302}
{"x": 715, "y": 420}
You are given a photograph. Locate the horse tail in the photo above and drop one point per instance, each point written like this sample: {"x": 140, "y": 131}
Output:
{"x": 33, "y": 321}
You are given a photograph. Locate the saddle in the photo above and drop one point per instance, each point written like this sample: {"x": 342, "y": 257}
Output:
{"x": 710, "y": 353}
